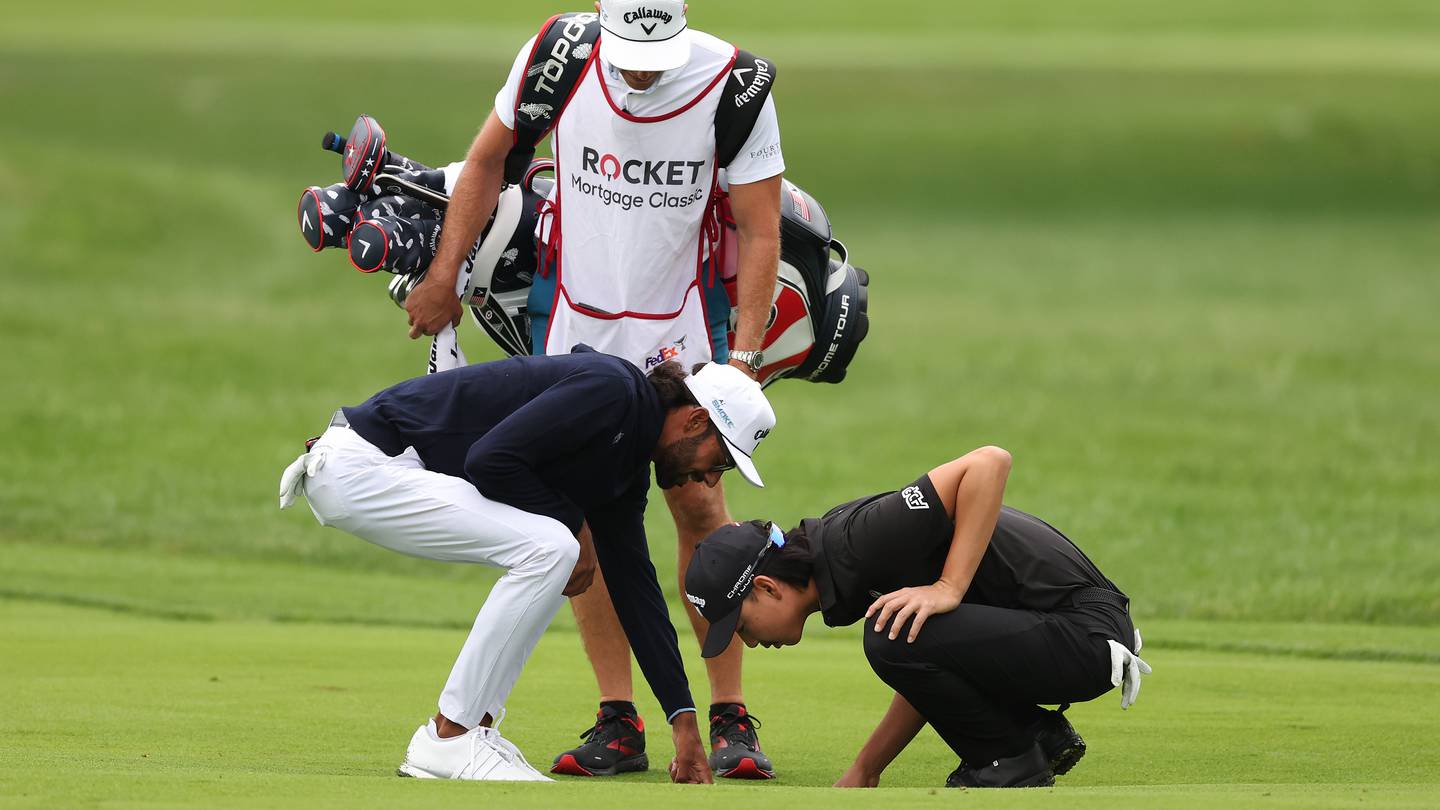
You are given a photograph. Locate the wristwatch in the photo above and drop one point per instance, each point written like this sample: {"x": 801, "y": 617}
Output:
{"x": 754, "y": 359}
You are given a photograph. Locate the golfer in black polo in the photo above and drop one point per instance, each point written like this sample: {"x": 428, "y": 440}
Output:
{"x": 975, "y": 614}
{"x": 539, "y": 466}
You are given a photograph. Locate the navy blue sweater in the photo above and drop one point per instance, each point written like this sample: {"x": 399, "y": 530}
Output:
{"x": 569, "y": 437}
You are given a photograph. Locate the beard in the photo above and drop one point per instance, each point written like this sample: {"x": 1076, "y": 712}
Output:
{"x": 675, "y": 462}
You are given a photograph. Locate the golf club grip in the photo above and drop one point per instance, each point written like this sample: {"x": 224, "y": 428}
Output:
{"x": 333, "y": 143}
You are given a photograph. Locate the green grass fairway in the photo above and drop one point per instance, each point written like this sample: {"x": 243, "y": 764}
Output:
{"x": 245, "y": 712}
{"x": 1181, "y": 260}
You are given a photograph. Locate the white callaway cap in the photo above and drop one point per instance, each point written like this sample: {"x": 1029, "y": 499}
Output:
{"x": 644, "y": 35}
{"x": 738, "y": 408}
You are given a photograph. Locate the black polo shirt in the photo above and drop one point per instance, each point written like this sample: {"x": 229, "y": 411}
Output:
{"x": 882, "y": 543}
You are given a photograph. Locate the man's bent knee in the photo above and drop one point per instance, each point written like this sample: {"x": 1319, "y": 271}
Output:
{"x": 886, "y": 654}
{"x": 556, "y": 551}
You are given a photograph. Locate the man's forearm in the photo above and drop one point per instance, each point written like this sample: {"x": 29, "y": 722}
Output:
{"x": 756, "y": 207}
{"x": 899, "y": 726}
{"x": 758, "y": 266}
{"x": 640, "y": 604}
{"x": 471, "y": 204}
{"x": 472, "y": 201}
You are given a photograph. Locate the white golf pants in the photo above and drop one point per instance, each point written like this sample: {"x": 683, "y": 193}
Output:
{"x": 397, "y": 503}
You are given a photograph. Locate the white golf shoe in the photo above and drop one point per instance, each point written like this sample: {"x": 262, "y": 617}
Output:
{"x": 480, "y": 754}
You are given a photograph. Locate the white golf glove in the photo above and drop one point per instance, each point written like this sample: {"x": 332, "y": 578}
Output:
{"x": 1126, "y": 669}
{"x": 292, "y": 481}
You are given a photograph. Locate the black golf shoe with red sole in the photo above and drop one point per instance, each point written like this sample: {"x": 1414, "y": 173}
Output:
{"x": 615, "y": 744}
{"x": 734, "y": 746}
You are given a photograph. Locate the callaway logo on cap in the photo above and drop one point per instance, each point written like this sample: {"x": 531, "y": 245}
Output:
{"x": 644, "y": 35}
{"x": 738, "y": 409}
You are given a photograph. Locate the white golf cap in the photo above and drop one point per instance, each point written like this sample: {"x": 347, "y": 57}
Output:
{"x": 644, "y": 35}
{"x": 738, "y": 408}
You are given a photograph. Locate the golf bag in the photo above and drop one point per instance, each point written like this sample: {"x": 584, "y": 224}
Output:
{"x": 818, "y": 315}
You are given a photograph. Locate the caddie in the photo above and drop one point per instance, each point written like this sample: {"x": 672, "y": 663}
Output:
{"x": 539, "y": 466}
{"x": 975, "y": 614}
{"x": 663, "y": 135}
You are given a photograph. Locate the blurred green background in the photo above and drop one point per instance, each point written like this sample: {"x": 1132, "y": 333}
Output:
{"x": 1179, "y": 259}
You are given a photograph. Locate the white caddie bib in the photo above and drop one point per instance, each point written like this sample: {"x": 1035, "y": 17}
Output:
{"x": 631, "y": 197}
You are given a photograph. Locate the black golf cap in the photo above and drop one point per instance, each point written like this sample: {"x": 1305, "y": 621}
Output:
{"x": 721, "y": 574}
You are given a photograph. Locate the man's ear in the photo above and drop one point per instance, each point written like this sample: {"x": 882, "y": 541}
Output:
{"x": 766, "y": 586}
{"x": 697, "y": 422}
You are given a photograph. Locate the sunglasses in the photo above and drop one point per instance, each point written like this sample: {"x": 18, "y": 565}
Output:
{"x": 776, "y": 540}
{"x": 729, "y": 463}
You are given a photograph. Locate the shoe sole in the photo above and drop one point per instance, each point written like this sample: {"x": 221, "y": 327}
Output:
{"x": 411, "y": 772}
{"x": 1067, "y": 757}
{"x": 568, "y": 766}
{"x": 746, "y": 769}
{"x": 1046, "y": 779}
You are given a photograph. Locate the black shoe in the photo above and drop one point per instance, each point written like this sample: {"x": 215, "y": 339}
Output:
{"x": 1029, "y": 769}
{"x": 615, "y": 744}
{"x": 734, "y": 745}
{"x": 1062, "y": 744}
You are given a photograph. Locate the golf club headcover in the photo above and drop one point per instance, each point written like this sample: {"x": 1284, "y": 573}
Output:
{"x": 397, "y": 206}
{"x": 394, "y": 244}
{"x": 365, "y": 156}
{"x": 326, "y": 215}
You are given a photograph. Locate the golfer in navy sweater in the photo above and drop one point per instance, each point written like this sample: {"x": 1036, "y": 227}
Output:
{"x": 538, "y": 466}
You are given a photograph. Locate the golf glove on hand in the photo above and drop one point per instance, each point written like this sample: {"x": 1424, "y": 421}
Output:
{"x": 1126, "y": 668}
{"x": 292, "y": 481}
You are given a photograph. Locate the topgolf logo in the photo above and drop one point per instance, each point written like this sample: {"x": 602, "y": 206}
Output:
{"x": 560, "y": 53}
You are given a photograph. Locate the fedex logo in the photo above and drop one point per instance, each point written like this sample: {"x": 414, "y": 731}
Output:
{"x": 669, "y": 352}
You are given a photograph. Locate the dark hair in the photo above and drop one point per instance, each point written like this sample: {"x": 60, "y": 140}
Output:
{"x": 792, "y": 563}
{"x": 669, "y": 381}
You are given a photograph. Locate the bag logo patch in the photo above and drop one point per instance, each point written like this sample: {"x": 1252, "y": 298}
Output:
{"x": 763, "y": 77}
{"x": 537, "y": 111}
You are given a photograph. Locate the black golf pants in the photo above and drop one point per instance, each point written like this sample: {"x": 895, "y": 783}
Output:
{"x": 977, "y": 673}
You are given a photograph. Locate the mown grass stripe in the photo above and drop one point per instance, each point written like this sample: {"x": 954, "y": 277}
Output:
{"x": 1239, "y": 647}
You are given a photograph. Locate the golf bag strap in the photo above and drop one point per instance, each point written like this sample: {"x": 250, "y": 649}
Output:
{"x": 741, "y": 104}
{"x": 563, "y": 48}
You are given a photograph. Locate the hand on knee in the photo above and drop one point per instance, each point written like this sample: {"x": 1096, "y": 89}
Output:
{"x": 551, "y": 554}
